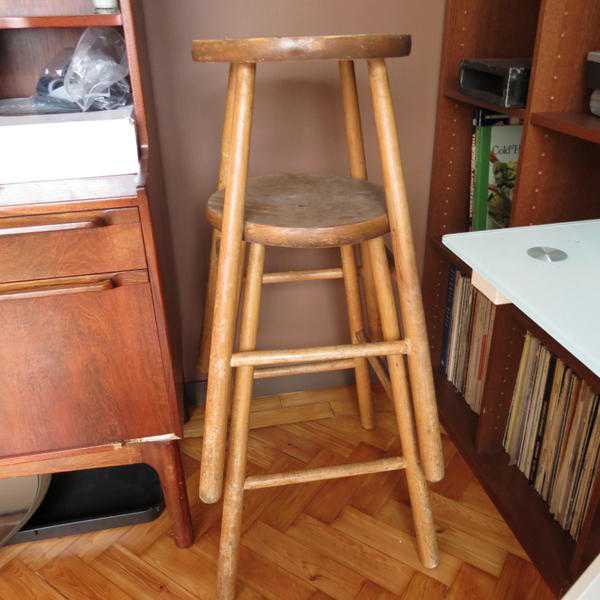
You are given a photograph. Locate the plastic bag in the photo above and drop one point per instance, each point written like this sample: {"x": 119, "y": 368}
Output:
{"x": 93, "y": 76}
{"x": 96, "y": 78}
{"x": 50, "y": 94}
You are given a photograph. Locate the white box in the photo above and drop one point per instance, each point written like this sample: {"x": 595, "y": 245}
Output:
{"x": 68, "y": 146}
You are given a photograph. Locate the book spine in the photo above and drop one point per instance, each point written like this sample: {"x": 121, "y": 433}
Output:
{"x": 448, "y": 319}
{"x": 483, "y": 137}
{"x": 542, "y": 422}
{"x": 472, "y": 179}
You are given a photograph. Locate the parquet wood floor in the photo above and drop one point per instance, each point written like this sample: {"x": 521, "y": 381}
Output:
{"x": 344, "y": 539}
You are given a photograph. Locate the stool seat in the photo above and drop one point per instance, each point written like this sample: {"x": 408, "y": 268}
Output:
{"x": 308, "y": 211}
{"x": 341, "y": 47}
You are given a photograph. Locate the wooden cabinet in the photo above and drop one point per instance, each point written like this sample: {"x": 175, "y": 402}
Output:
{"x": 89, "y": 342}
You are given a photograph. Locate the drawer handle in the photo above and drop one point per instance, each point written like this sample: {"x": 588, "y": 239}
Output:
{"x": 42, "y": 291}
{"x": 48, "y": 227}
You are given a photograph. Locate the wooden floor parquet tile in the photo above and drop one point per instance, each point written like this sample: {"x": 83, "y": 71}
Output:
{"x": 348, "y": 539}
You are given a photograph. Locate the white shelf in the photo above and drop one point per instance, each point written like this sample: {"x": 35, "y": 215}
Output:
{"x": 563, "y": 297}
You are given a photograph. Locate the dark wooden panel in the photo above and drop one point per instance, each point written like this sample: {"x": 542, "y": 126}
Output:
{"x": 588, "y": 543}
{"x": 451, "y": 169}
{"x": 449, "y": 256}
{"x": 581, "y": 125}
{"x": 483, "y": 29}
{"x": 549, "y": 547}
{"x": 25, "y": 52}
{"x": 156, "y": 222}
{"x": 80, "y": 369}
{"x": 435, "y": 293}
{"x": 67, "y": 244}
{"x": 505, "y": 354}
{"x": 71, "y": 460}
{"x": 453, "y": 93}
{"x": 568, "y": 31}
{"x": 558, "y": 179}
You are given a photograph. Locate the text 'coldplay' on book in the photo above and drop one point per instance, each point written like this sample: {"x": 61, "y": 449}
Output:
{"x": 496, "y": 143}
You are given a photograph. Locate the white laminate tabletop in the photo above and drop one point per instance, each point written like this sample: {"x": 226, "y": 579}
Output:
{"x": 563, "y": 297}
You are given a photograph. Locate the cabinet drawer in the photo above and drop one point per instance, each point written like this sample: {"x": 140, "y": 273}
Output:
{"x": 69, "y": 244}
{"x": 80, "y": 364}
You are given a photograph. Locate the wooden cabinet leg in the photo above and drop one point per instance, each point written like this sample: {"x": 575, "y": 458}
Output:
{"x": 165, "y": 459}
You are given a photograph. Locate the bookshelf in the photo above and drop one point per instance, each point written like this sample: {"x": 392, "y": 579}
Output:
{"x": 558, "y": 181}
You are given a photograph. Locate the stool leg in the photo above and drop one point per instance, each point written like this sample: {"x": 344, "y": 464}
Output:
{"x": 226, "y": 138}
{"x": 355, "y": 318}
{"x": 209, "y": 306}
{"x": 203, "y": 358}
{"x": 226, "y": 297}
{"x": 358, "y": 170}
{"x": 236, "y": 468}
{"x": 370, "y": 294}
{"x": 409, "y": 287}
{"x": 417, "y": 485}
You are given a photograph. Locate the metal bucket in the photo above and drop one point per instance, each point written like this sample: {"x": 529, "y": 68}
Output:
{"x": 20, "y": 497}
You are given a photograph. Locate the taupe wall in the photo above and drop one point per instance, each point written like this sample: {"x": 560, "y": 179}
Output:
{"x": 298, "y": 127}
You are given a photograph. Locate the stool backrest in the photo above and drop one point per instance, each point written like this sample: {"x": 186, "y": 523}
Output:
{"x": 269, "y": 49}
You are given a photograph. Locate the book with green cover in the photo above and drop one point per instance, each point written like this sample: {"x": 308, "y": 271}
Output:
{"x": 495, "y": 172}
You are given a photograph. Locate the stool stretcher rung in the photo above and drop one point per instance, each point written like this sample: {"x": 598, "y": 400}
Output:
{"x": 303, "y": 355}
{"x": 378, "y": 368}
{"x": 304, "y": 476}
{"x": 293, "y": 276}
{"x": 284, "y": 371}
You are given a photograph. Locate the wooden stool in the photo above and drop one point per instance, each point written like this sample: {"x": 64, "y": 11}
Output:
{"x": 304, "y": 211}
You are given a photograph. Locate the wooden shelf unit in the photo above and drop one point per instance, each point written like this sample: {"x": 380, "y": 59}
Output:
{"x": 558, "y": 179}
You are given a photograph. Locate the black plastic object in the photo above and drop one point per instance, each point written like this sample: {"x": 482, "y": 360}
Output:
{"x": 84, "y": 501}
{"x": 502, "y": 82}
{"x": 593, "y": 70}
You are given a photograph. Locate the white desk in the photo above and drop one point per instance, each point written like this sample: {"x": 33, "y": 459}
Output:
{"x": 563, "y": 298}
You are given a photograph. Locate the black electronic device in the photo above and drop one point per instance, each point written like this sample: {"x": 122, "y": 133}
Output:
{"x": 593, "y": 70}
{"x": 499, "y": 81}
{"x": 94, "y": 499}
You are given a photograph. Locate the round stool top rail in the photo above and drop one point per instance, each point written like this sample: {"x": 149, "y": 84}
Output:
{"x": 268, "y": 49}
